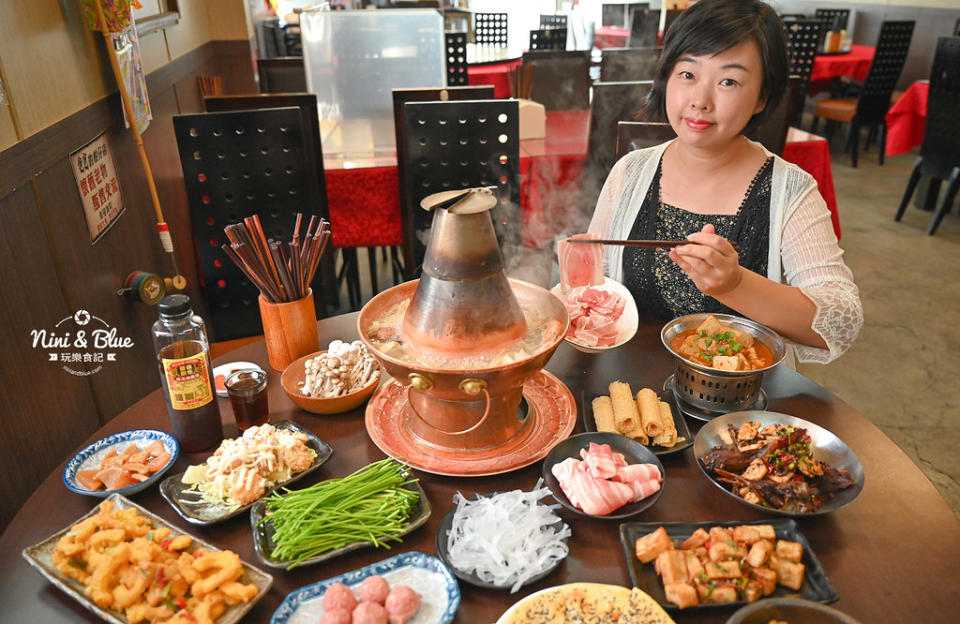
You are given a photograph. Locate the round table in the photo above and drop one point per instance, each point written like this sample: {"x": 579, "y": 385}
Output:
{"x": 892, "y": 555}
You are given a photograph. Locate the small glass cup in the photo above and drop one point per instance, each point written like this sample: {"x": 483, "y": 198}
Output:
{"x": 247, "y": 390}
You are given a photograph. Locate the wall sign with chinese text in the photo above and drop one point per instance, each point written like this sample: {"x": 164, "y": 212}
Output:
{"x": 98, "y": 186}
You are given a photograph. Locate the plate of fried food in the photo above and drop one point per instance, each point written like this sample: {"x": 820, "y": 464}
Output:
{"x": 126, "y": 564}
{"x": 649, "y": 418}
{"x": 122, "y": 463}
{"x": 708, "y": 565}
{"x": 243, "y": 470}
{"x": 587, "y": 602}
{"x": 778, "y": 463}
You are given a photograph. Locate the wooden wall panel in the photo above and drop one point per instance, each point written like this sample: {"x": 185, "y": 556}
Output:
{"x": 45, "y": 412}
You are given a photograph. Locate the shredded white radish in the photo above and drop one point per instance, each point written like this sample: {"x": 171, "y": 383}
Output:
{"x": 507, "y": 538}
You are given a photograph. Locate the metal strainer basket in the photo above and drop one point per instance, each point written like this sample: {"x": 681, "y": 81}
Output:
{"x": 715, "y": 390}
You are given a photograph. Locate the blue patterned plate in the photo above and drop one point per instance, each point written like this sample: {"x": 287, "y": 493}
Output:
{"x": 90, "y": 457}
{"x": 426, "y": 575}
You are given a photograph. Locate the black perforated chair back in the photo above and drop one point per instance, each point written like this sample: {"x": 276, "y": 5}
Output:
{"x": 956, "y": 28}
{"x": 891, "y": 52}
{"x": 454, "y": 145}
{"x": 634, "y": 135}
{"x": 548, "y": 39}
{"x": 802, "y": 38}
{"x": 284, "y": 74}
{"x": 236, "y": 164}
{"x": 622, "y": 64}
{"x": 772, "y": 131}
{"x": 456, "y": 55}
{"x": 551, "y": 22}
{"x": 644, "y": 28}
{"x": 671, "y": 17}
{"x": 490, "y": 29}
{"x": 940, "y": 149}
{"x": 561, "y": 78}
{"x": 833, "y": 16}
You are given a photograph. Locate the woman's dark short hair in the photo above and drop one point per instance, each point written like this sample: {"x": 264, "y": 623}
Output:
{"x": 714, "y": 26}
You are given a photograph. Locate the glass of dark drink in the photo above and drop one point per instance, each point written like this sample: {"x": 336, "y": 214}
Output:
{"x": 247, "y": 390}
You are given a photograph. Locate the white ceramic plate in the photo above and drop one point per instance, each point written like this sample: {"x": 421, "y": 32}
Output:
{"x": 626, "y": 324}
{"x": 90, "y": 457}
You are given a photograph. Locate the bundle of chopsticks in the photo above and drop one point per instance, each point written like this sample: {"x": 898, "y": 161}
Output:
{"x": 520, "y": 78}
{"x": 282, "y": 271}
{"x": 210, "y": 85}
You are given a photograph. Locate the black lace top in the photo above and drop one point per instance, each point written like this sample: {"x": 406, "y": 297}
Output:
{"x": 659, "y": 287}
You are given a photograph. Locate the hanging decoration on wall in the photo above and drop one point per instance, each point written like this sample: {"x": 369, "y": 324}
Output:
{"x": 98, "y": 186}
{"x": 113, "y": 16}
{"x": 127, "y": 48}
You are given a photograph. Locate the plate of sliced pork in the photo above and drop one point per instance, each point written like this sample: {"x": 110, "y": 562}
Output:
{"x": 603, "y": 475}
{"x": 603, "y": 314}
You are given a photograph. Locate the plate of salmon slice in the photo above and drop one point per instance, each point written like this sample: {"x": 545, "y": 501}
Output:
{"x": 123, "y": 463}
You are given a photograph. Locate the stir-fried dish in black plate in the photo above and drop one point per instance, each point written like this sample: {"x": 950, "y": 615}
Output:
{"x": 772, "y": 466}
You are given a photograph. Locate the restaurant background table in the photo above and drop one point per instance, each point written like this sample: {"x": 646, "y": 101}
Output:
{"x": 364, "y": 197}
{"x": 611, "y": 37}
{"x": 907, "y": 119}
{"x": 854, "y": 64}
{"x": 892, "y": 554}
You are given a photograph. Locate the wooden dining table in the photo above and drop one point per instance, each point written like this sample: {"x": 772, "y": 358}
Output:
{"x": 893, "y": 554}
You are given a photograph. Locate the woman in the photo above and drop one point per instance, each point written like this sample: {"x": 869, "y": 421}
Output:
{"x": 723, "y": 68}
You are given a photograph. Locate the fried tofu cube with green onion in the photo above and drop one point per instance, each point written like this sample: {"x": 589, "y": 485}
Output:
{"x": 723, "y": 594}
{"x": 789, "y": 573}
{"x": 697, "y": 539}
{"x": 759, "y": 553}
{"x": 766, "y": 578}
{"x": 681, "y": 594}
{"x": 723, "y": 569}
{"x": 789, "y": 550}
{"x": 672, "y": 566}
{"x": 652, "y": 544}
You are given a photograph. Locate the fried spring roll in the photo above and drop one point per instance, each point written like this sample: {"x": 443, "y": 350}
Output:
{"x": 648, "y": 405}
{"x": 667, "y": 437}
{"x": 624, "y": 410}
{"x": 603, "y": 415}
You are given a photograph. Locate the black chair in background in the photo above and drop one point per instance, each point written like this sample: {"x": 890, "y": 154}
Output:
{"x": 456, "y": 54}
{"x": 956, "y": 28}
{"x": 620, "y": 15}
{"x": 612, "y": 102}
{"x": 793, "y": 17}
{"x": 453, "y": 145}
{"x": 671, "y": 17}
{"x": 553, "y": 22}
{"x": 490, "y": 29}
{"x": 237, "y": 164}
{"x": 310, "y": 121}
{"x": 940, "y": 151}
{"x": 772, "y": 131}
{"x": 870, "y": 108}
{"x": 803, "y": 41}
{"x": 271, "y": 41}
{"x": 552, "y": 39}
{"x": 833, "y": 15}
{"x": 561, "y": 78}
{"x": 284, "y": 74}
{"x": 621, "y": 64}
{"x": 633, "y": 135}
{"x": 644, "y": 28}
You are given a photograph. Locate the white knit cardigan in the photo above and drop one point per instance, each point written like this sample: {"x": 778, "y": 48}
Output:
{"x": 803, "y": 246}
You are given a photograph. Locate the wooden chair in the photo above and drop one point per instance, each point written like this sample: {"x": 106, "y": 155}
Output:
{"x": 283, "y": 74}
{"x": 870, "y": 108}
{"x": 456, "y": 55}
{"x": 803, "y": 42}
{"x": 644, "y": 28}
{"x": 632, "y": 135}
{"x": 772, "y": 131}
{"x": 490, "y": 29}
{"x": 625, "y": 64}
{"x": 310, "y": 121}
{"x": 236, "y": 164}
{"x": 940, "y": 151}
{"x": 561, "y": 78}
{"x": 411, "y": 247}
{"x": 453, "y": 145}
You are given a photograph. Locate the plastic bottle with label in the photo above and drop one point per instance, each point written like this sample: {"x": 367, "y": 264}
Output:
{"x": 183, "y": 356}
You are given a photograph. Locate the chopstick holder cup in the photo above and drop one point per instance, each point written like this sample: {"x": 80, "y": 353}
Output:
{"x": 289, "y": 329}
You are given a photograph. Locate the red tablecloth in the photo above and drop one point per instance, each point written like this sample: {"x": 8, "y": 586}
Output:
{"x": 494, "y": 74}
{"x": 812, "y": 154}
{"x": 855, "y": 64}
{"x": 610, "y": 37}
{"x": 907, "y": 119}
{"x": 365, "y": 201}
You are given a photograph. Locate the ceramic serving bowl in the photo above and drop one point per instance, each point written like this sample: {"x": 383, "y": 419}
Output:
{"x": 292, "y": 382}
{"x": 90, "y": 456}
{"x": 793, "y": 610}
{"x": 626, "y": 325}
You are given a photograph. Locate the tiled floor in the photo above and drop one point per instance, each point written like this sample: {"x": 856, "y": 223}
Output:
{"x": 903, "y": 371}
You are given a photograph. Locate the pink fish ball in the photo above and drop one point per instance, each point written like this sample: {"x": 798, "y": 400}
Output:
{"x": 336, "y": 616}
{"x": 339, "y": 596}
{"x": 373, "y": 589}
{"x": 370, "y": 613}
{"x": 402, "y": 602}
